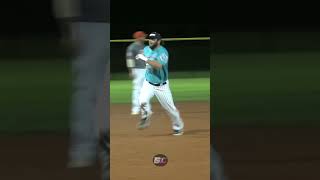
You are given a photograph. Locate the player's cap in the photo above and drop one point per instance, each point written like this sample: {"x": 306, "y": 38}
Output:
{"x": 139, "y": 34}
{"x": 155, "y": 35}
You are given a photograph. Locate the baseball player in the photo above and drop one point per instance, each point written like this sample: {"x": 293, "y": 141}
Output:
{"x": 156, "y": 83}
{"x": 136, "y": 68}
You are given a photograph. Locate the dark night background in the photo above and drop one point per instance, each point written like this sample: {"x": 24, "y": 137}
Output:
{"x": 124, "y": 31}
{"x": 33, "y": 32}
{"x": 28, "y": 20}
{"x": 183, "y": 54}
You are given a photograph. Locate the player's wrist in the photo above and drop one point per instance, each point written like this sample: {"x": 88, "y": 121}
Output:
{"x": 142, "y": 57}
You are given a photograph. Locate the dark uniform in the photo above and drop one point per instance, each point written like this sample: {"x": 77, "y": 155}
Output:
{"x": 216, "y": 166}
{"x": 89, "y": 22}
{"x": 216, "y": 169}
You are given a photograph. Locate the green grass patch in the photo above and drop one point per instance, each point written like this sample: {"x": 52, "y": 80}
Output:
{"x": 35, "y": 95}
{"x": 267, "y": 89}
{"x": 172, "y": 75}
{"x": 187, "y": 89}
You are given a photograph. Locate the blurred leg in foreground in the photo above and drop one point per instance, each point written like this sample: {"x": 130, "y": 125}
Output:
{"x": 106, "y": 156}
{"x": 89, "y": 22}
{"x": 89, "y": 111}
{"x": 216, "y": 166}
{"x": 104, "y": 115}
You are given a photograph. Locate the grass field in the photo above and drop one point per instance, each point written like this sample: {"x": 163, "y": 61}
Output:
{"x": 172, "y": 75}
{"x": 183, "y": 89}
{"x": 250, "y": 89}
{"x": 35, "y": 95}
{"x": 267, "y": 89}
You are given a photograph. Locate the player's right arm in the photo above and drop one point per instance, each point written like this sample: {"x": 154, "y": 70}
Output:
{"x": 152, "y": 61}
{"x": 158, "y": 61}
{"x": 154, "y": 64}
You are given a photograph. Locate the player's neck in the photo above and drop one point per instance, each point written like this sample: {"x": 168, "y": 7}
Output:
{"x": 156, "y": 47}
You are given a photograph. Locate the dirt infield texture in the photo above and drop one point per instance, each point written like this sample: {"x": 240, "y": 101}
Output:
{"x": 132, "y": 150}
{"x": 248, "y": 153}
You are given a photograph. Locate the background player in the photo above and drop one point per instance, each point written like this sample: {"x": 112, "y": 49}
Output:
{"x": 156, "y": 83}
{"x": 136, "y": 68}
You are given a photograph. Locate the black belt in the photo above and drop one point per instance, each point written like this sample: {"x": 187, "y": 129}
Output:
{"x": 159, "y": 84}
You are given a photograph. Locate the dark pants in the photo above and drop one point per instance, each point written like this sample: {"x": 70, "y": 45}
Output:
{"x": 216, "y": 166}
{"x": 90, "y": 98}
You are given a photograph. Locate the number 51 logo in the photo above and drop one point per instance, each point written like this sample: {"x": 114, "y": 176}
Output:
{"x": 160, "y": 160}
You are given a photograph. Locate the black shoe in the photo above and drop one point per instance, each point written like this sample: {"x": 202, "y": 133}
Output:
{"x": 177, "y": 132}
{"x": 145, "y": 121}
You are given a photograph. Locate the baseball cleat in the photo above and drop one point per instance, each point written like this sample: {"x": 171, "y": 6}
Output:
{"x": 134, "y": 113}
{"x": 177, "y": 132}
{"x": 145, "y": 121}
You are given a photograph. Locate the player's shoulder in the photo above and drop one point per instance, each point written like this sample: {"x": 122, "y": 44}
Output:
{"x": 131, "y": 46}
{"x": 162, "y": 49}
{"x": 147, "y": 48}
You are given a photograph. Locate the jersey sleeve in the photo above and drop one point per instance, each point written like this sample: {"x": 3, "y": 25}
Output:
{"x": 130, "y": 52}
{"x": 130, "y": 57}
{"x": 153, "y": 57}
{"x": 144, "y": 51}
{"x": 163, "y": 58}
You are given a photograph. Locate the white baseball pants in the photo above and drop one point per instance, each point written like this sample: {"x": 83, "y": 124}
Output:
{"x": 164, "y": 96}
{"x": 138, "y": 78}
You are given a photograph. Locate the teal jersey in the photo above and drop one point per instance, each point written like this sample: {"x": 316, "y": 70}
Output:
{"x": 160, "y": 55}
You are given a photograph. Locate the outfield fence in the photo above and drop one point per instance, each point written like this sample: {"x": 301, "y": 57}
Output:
{"x": 186, "y": 54}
